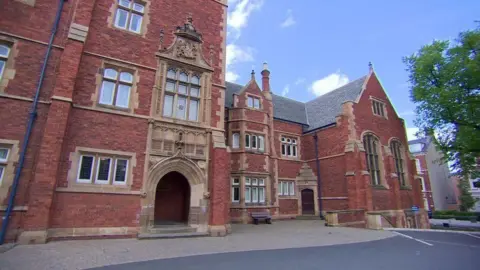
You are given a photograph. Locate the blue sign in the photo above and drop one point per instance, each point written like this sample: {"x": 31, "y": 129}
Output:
{"x": 415, "y": 208}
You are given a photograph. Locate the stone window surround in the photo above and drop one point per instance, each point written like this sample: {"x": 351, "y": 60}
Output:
{"x": 385, "y": 116}
{"x": 248, "y": 95}
{"x": 242, "y": 134}
{"x": 145, "y": 20}
{"x": 242, "y": 203}
{"x": 290, "y": 136}
{"x": 381, "y": 164}
{"x": 134, "y": 99}
{"x": 288, "y": 196}
{"x": 75, "y": 186}
{"x": 9, "y": 71}
{"x": 9, "y": 173}
{"x": 27, "y": 2}
{"x": 403, "y": 156}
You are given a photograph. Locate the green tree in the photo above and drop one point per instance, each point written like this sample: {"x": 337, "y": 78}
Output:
{"x": 445, "y": 86}
{"x": 466, "y": 199}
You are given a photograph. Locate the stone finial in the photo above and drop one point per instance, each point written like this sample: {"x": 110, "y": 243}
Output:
{"x": 370, "y": 66}
{"x": 265, "y": 66}
{"x": 253, "y": 74}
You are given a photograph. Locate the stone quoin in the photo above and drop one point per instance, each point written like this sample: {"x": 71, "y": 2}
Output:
{"x": 136, "y": 131}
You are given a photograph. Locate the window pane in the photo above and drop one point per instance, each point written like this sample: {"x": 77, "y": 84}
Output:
{"x": 106, "y": 93}
{"x": 236, "y": 140}
{"x": 247, "y": 181}
{"x": 250, "y": 102}
{"x": 103, "y": 169}
{"x": 280, "y": 188}
{"x": 254, "y": 141}
{"x": 170, "y": 86}
{"x": 283, "y": 149}
{"x": 171, "y": 73}
{"x": 121, "y": 18}
{"x": 247, "y": 140}
{"x": 294, "y": 150}
{"x": 123, "y": 96}
{"x": 289, "y": 151}
{"x": 291, "y": 189}
{"x": 136, "y": 23}
{"x": 125, "y": 3}
{"x": 2, "y": 170}
{"x": 194, "y": 91}
{"x": 138, "y": 7}
{"x": 168, "y": 105}
{"x": 85, "y": 170}
{"x": 254, "y": 194}
{"x": 247, "y": 195}
{"x": 254, "y": 182}
{"x": 181, "y": 110}
{"x": 261, "y": 194}
{"x": 3, "y": 154}
{"x": 2, "y": 66}
{"x": 195, "y": 80}
{"x": 110, "y": 73}
{"x": 183, "y": 77}
{"x": 126, "y": 77}
{"x": 261, "y": 182}
{"x": 193, "y": 110}
{"x": 182, "y": 89}
{"x": 236, "y": 194}
{"x": 256, "y": 103}
{"x": 261, "y": 143}
{"x": 121, "y": 171}
{"x": 4, "y": 51}
{"x": 236, "y": 181}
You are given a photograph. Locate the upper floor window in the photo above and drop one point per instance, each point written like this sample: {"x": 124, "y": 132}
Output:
{"x": 100, "y": 169}
{"x": 289, "y": 147}
{"x": 3, "y": 162}
{"x": 129, "y": 15}
{"x": 4, "y": 52}
{"x": 396, "y": 148}
{"x": 255, "y": 142}
{"x": 418, "y": 166}
{"x": 422, "y": 184}
{"x": 378, "y": 108}
{"x": 235, "y": 140}
{"x": 253, "y": 102}
{"x": 182, "y": 95}
{"x": 372, "y": 148}
{"x": 116, "y": 88}
{"x": 254, "y": 190}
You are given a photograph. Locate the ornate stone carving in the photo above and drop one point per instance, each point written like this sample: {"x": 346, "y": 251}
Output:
{"x": 168, "y": 139}
{"x": 154, "y": 160}
{"x": 186, "y": 49}
{"x": 202, "y": 164}
{"x": 206, "y": 195}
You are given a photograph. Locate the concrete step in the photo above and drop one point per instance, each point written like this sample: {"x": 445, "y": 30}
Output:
{"x": 145, "y": 236}
{"x": 308, "y": 217}
{"x": 171, "y": 229}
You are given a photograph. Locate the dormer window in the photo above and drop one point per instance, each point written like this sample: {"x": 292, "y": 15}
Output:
{"x": 253, "y": 102}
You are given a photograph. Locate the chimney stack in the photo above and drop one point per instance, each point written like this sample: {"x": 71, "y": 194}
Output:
{"x": 265, "y": 78}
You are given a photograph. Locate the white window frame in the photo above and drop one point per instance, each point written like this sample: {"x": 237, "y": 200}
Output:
{"x": 253, "y": 102}
{"x": 422, "y": 181}
{"x": 286, "y": 188}
{"x": 289, "y": 144}
{"x": 253, "y": 142}
{"x": 114, "y": 181}
{"x": 418, "y": 166}
{"x": 4, "y": 58}
{"x": 258, "y": 184}
{"x": 103, "y": 182}
{"x": 236, "y": 140}
{"x": 2, "y": 172}
{"x": 236, "y": 185}
{"x": 247, "y": 141}
{"x": 5, "y": 160}
{"x": 261, "y": 143}
{"x": 192, "y": 81}
{"x": 378, "y": 108}
{"x": 117, "y": 82}
{"x": 130, "y": 10}
{"x": 80, "y": 168}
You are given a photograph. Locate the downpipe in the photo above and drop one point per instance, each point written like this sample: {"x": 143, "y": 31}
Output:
{"x": 319, "y": 182}
{"x": 31, "y": 121}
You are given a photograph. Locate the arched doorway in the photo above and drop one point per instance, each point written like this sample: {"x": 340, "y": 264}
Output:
{"x": 308, "y": 204}
{"x": 172, "y": 200}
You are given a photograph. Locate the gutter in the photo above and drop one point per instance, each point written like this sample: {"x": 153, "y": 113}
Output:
{"x": 31, "y": 120}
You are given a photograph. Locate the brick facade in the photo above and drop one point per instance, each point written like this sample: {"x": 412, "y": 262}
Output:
{"x": 74, "y": 127}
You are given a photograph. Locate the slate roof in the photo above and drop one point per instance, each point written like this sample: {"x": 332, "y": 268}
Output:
{"x": 313, "y": 114}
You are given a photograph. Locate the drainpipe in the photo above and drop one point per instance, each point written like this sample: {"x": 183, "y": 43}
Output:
{"x": 31, "y": 120}
{"x": 319, "y": 186}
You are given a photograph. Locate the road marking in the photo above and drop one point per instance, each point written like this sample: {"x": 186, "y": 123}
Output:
{"x": 472, "y": 235}
{"x": 409, "y": 237}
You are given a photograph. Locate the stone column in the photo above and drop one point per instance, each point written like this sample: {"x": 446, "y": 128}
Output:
{"x": 42, "y": 187}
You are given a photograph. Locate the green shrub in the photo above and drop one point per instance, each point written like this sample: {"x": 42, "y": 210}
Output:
{"x": 455, "y": 213}
{"x": 468, "y": 217}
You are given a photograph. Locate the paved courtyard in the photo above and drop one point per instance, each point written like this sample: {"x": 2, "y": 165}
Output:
{"x": 96, "y": 253}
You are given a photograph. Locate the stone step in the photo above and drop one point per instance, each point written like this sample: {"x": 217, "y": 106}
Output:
{"x": 308, "y": 217}
{"x": 145, "y": 236}
{"x": 171, "y": 229}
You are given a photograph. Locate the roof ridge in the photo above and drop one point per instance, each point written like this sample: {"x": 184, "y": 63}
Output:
{"x": 338, "y": 88}
{"x": 288, "y": 98}
{"x": 234, "y": 83}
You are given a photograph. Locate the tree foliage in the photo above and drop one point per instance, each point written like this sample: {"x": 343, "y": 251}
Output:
{"x": 445, "y": 86}
{"x": 466, "y": 199}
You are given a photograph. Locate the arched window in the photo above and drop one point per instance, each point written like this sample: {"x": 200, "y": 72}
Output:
{"x": 396, "y": 149}
{"x": 372, "y": 150}
{"x": 182, "y": 95}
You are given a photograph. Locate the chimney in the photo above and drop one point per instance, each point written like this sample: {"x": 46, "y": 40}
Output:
{"x": 265, "y": 78}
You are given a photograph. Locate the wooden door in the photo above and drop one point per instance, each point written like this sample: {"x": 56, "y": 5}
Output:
{"x": 172, "y": 200}
{"x": 308, "y": 203}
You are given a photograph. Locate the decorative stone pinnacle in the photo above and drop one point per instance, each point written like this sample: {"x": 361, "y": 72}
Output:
{"x": 370, "y": 66}
{"x": 265, "y": 66}
{"x": 253, "y": 74}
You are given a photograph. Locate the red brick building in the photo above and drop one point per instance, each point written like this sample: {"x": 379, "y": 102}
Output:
{"x": 136, "y": 131}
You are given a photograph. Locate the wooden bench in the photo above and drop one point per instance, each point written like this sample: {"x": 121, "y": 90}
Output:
{"x": 256, "y": 216}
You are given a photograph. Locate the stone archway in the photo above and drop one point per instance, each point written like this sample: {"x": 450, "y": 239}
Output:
{"x": 193, "y": 177}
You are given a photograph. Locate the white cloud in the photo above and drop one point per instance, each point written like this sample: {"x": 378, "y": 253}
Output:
{"x": 237, "y": 54}
{"x": 411, "y": 133}
{"x": 329, "y": 83}
{"x": 407, "y": 113}
{"x": 286, "y": 89}
{"x": 238, "y": 18}
{"x": 231, "y": 76}
{"x": 300, "y": 81}
{"x": 289, "y": 21}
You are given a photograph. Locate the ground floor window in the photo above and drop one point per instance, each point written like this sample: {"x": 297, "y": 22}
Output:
{"x": 286, "y": 188}
{"x": 236, "y": 190}
{"x": 100, "y": 169}
{"x": 254, "y": 190}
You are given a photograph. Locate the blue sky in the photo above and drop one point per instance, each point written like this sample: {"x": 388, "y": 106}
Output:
{"x": 315, "y": 46}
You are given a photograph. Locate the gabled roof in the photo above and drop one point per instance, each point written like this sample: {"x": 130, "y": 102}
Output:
{"x": 314, "y": 114}
{"x": 324, "y": 109}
